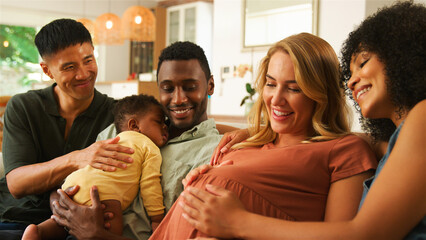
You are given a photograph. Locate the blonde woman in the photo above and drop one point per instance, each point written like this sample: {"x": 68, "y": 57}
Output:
{"x": 303, "y": 165}
{"x": 383, "y": 64}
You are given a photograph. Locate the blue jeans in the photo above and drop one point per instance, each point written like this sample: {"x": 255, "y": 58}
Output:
{"x": 12, "y": 231}
{"x": 12, "y": 226}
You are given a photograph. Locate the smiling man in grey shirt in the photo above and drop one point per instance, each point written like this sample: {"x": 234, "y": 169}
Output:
{"x": 185, "y": 82}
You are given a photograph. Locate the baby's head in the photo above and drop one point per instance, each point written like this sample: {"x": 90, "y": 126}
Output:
{"x": 143, "y": 114}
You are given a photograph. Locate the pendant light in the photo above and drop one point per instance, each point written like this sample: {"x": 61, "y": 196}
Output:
{"x": 138, "y": 24}
{"x": 108, "y": 29}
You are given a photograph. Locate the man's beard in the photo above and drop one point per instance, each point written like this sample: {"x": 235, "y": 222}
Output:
{"x": 199, "y": 111}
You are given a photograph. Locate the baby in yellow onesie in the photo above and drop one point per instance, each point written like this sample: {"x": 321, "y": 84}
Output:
{"x": 140, "y": 122}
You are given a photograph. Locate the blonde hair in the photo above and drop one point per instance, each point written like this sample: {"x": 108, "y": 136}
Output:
{"x": 317, "y": 72}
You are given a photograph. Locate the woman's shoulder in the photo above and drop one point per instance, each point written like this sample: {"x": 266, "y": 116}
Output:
{"x": 352, "y": 143}
{"x": 354, "y": 139}
{"x": 418, "y": 111}
{"x": 415, "y": 122}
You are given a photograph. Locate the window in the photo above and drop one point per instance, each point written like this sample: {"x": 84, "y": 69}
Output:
{"x": 269, "y": 21}
{"x": 141, "y": 55}
{"x": 19, "y": 60}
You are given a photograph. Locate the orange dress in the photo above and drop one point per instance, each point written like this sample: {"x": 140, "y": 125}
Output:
{"x": 289, "y": 183}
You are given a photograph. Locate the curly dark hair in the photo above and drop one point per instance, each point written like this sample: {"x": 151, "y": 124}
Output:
{"x": 185, "y": 51}
{"x": 397, "y": 35}
{"x": 131, "y": 106}
{"x": 60, "y": 34}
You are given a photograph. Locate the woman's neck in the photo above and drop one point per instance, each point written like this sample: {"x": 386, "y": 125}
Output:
{"x": 285, "y": 140}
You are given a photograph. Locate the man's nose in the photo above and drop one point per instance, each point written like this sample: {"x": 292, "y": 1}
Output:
{"x": 179, "y": 96}
{"x": 82, "y": 73}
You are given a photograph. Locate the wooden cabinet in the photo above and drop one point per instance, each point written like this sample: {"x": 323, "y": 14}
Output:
{"x": 150, "y": 88}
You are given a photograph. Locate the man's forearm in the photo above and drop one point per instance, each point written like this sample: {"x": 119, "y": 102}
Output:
{"x": 38, "y": 178}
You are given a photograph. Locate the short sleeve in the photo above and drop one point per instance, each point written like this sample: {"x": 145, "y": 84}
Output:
{"x": 351, "y": 155}
{"x": 107, "y": 133}
{"x": 18, "y": 146}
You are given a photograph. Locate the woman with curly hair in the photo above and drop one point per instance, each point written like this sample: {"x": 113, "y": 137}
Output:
{"x": 384, "y": 67}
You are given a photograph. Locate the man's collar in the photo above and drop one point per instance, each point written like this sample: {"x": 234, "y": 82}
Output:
{"x": 51, "y": 106}
{"x": 195, "y": 132}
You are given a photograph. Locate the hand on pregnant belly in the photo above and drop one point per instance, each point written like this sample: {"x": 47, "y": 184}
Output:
{"x": 195, "y": 173}
{"x": 213, "y": 211}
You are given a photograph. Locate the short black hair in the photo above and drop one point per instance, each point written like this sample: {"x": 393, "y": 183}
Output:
{"x": 131, "y": 106}
{"x": 185, "y": 51}
{"x": 60, "y": 34}
{"x": 397, "y": 35}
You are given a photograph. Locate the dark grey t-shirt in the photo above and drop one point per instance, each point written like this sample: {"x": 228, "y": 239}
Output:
{"x": 34, "y": 133}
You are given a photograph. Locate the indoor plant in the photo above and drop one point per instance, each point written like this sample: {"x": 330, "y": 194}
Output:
{"x": 248, "y": 100}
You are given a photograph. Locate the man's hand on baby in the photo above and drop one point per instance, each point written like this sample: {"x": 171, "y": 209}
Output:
{"x": 194, "y": 173}
{"x": 106, "y": 155}
{"x": 108, "y": 216}
{"x": 67, "y": 213}
{"x": 71, "y": 191}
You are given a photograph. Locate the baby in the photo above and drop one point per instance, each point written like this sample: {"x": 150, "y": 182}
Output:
{"x": 140, "y": 122}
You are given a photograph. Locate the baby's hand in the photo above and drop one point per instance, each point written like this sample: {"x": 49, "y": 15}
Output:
{"x": 154, "y": 225}
{"x": 155, "y": 221}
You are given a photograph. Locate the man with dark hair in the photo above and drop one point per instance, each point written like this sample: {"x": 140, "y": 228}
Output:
{"x": 178, "y": 60}
{"x": 185, "y": 51}
{"x": 50, "y": 133}
{"x": 185, "y": 82}
{"x": 59, "y": 35}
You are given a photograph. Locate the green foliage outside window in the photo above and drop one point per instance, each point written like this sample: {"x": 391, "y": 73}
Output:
{"x": 21, "y": 54}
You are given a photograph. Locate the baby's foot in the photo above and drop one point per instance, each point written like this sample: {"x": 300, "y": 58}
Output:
{"x": 31, "y": 233}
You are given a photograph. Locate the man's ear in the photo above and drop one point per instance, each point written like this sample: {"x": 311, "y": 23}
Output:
{"x": 132, "y": 125}
{"x": 210, "y": 86}
{"x": 46, "y": 69}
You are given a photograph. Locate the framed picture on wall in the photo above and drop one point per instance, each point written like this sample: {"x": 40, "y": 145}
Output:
{"x": 268, "y": 21}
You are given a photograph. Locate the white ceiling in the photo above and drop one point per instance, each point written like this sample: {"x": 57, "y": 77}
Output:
{"x": 83, "y": 8}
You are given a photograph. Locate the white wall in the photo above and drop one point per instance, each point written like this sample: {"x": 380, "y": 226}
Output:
{"x": 336, "y": 19}
{"x": 227, "y": 51}
{"x": 115, "y": 63}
